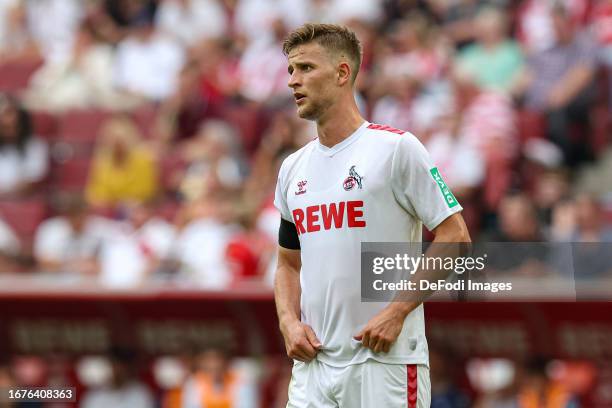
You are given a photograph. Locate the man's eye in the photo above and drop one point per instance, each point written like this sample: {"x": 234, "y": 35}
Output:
{"x": 306, "y": 68}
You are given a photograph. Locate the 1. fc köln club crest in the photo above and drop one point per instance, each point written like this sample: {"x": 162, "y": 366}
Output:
{"x": 301, "y": 187}
{"x": 354, "y": 179}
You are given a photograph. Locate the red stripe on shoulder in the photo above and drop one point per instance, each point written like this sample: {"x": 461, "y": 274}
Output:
{"x": 387, "y": 128}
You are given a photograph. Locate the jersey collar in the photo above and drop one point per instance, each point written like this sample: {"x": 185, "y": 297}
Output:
{"x": 330, "y": 151}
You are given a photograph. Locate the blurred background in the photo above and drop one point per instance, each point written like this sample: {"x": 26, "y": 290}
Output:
{"x": 140, "y": 142}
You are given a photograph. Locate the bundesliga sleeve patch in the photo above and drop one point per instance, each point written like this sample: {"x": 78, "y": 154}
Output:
{"x": 450, "y": 199}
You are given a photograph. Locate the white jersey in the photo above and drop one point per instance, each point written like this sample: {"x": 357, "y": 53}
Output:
{"x": 377, "y": 185}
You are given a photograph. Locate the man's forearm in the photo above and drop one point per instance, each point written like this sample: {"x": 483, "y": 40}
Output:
{"x": 449, "y": 242}
{"x": 287, "y": 294}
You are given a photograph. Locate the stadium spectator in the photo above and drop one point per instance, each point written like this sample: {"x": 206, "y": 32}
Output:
{"x": 581, "y": 222}
{"x": 70, "y": 242}
{"x": 263, "y": 70}
{"x": 139, "y": 250}
{"x": 521, "y": 249}
{"x": 535, "y": 26}
{"x": 461, "y": 165}
{"x": 590, "y": 226}
{"x": 16, "y": 42}
{"x": 444, "y": 390}
{"x": 54, "y": 25}
{"x": 84, "y": 80}
{"x": 24, "y": 157}
{"x": 517, "y": 220}
{"x": 180, "y": 115}
{"x": 494, "y": 60}
{"x": 557, "y": 83}
{"x": 127, "y": 14}
{"x": 204, "y": 233}
{"x": 215, "y": 153}
{"x": 148, "y": 63}
{"x": 539, "y": 390}
{"x": 250, "y": 250}
{"x": 485, "y": 120}
{"x": 216, "y": 384}
{"x": 124, "y": 390}
{"x": 191, "y": 21}
{"x": 551, "y": 187}
{"x": 457, "y": 19}
{"x": 405, "y": 83}
{"x": 414, "y": 50}
{"x": 123, "y": 169}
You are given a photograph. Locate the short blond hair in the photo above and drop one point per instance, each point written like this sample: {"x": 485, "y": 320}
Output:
{"x": 334, "y": 38}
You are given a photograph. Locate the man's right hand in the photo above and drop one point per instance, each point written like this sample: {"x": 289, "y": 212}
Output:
{"x": 301, "y": 341}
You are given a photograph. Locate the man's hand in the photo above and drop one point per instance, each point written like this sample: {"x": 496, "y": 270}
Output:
{"x": 301, "y": 341}
{"x": 382, "y": 330}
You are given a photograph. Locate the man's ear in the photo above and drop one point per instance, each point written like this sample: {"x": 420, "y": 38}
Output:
{"x": 344, "y": 73}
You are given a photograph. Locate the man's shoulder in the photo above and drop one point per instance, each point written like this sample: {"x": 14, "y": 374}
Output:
{"x": 385, "y": 136}
{"x": 376, "y": 128}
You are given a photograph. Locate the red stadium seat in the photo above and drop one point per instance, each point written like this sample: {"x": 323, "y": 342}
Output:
{"x": 81, "y": 126}
{"x": 16, "y": 75}
{"x": 72, "y": 174}
{"x": 23, "y": 215}
{"x": 531, "y": 125}
{"x": 44, "y": 124}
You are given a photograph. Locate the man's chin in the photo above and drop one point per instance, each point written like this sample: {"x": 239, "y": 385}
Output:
{"x": 307, "y": 114}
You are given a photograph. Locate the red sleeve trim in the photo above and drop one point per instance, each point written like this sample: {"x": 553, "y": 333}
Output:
{"x": 387, "y": 128}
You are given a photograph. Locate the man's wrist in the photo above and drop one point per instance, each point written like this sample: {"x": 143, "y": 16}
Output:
{"x": 402, "y": 309}
{"x": 287, "y": 321}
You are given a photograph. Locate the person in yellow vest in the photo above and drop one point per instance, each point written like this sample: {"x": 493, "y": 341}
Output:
{"x": 123, "y": 169}
{"x": 539, "y": 391}
{"x": 215, "y": 384}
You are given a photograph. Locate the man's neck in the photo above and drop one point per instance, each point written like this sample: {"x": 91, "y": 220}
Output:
{"x": 339, "y": 122}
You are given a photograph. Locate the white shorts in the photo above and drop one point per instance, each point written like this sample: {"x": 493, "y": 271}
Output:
{"x": 367, "y": 385}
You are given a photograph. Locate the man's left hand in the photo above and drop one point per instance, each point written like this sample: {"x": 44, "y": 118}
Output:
{"x": 382, "y": 330}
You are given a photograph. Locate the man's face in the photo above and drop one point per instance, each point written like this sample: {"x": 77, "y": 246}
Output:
{"x": 313, "y": 80}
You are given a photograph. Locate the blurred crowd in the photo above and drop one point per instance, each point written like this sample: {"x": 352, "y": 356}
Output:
{"x": 211, "y": 377}
{"x": 140, "y": 140}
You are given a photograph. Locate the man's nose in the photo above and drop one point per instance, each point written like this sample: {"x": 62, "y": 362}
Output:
{"x": 293, "y": 81}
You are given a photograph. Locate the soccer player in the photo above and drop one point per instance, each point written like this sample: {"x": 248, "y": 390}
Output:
{"x": 356, "y": 182}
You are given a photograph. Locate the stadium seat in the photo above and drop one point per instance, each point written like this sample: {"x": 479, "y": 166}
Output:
{"x": 81, "y": 126}
{"x": 72, "y": 174}
{"x": 23, "y": 215}
{"x": 16, "y": 75}
{"x": 44, "y": 124}
{"x": 530, "y": 125}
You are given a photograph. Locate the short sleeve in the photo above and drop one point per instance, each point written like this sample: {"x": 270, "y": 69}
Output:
{"x": 280, "y": 195}
{"x": 418, "y": 186}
